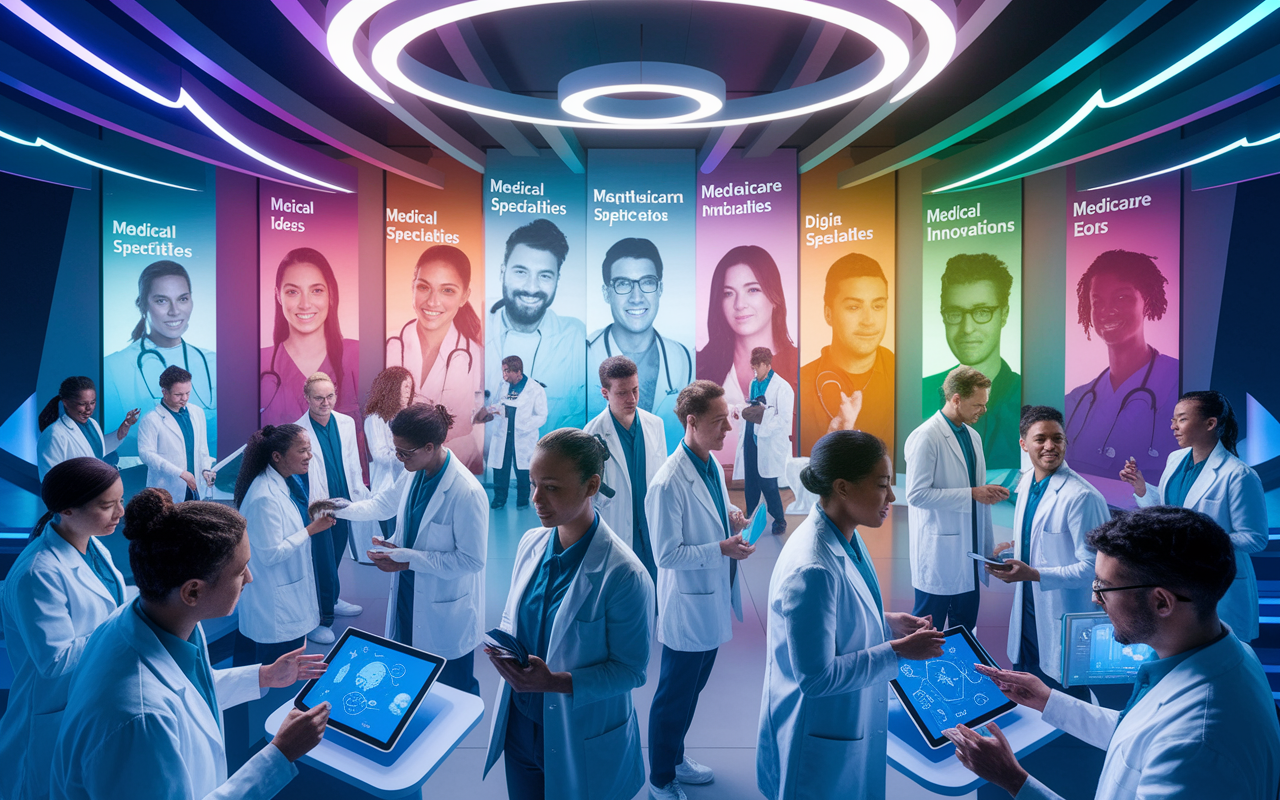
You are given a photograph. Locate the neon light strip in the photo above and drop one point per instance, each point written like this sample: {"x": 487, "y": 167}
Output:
{"x": 39, "y": 142}
{"x": 28, "y": 15}
{"x": 1256, "y": 15}
{"x": 1236, "y": 145}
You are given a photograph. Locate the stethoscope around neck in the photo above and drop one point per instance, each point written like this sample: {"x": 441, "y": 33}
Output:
{"x": 210, "y": 403}
{"x": 1092, "y": 393}
{"x": 461, "y": 346}
{"x": 666, "y": 361}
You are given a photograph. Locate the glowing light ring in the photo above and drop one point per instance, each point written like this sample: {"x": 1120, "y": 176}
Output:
{"x": 682, "y": 83}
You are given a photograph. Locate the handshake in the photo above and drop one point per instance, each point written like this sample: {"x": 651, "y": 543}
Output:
{"x": 326, "y": 507}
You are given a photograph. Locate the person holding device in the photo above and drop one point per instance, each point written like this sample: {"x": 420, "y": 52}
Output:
{"x": 1208, "y": 476}
{"x": 697, "y": 542}
{"x": 765, "y": 445}
{"x": 172, "y": 439}
{"x": 581, "y": 604}
{"x": 144, "y": 713}
{"x": 517, "y": 421}
{"x": 831, "y": 646}
{"x": 437, "y": 555}
{"x": 68, "y": 429}
{"x": 1201, "y": 722}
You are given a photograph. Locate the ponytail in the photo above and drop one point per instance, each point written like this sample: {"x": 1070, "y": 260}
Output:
{"x": 1213, "y": 403}
{"x": 69, "y": 389}
{"x": 257, "y": 454}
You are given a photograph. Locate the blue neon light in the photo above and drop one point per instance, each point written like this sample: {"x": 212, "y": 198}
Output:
{"x": 40, "y": 142}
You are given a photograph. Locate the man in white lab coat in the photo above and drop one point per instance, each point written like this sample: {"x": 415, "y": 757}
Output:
{"x": 765, "y": 446}
{"x": 1201, "y": 722}
{"x": 517, "y": 420}
{"x": 947, "y": 503}
{"x": 173, "y": 440}
{"x": 697, "y": 544}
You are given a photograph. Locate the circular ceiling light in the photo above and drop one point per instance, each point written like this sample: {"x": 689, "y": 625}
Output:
{"x": 689, "y": 93}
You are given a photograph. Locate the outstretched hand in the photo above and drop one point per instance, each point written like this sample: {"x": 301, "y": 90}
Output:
{"x": 1022, "y": 688}
{"x": 290, "y": 668}
{"x": 990, "y": 758}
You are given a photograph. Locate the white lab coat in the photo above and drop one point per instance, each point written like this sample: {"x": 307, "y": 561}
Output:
{"x": 695, "y": 599}
{"x": 62, "y": 441}
{"x": 281, "y": 603}
{"x": 1068, "y": 510}
{"x": 1230, "y": 492}
{"x": 939, "y": 510}
{"x": 616, "y": 510}
{"x": 1207, "y": 730}
{"x": 52, "y": 601}
{"x": 531, "y": 415}
{"x": 384, "y": 467}
{"x": 675, "y": 371}
{"x": 137, "y": 729}
{"x": 773, "y": 434}
{"x": 824, "y": 712}
{"x": 447, "y": 559}
{"x": 362, "y": 533}
{"x": 163, "y": 449}
{"x": 600, "y": 634}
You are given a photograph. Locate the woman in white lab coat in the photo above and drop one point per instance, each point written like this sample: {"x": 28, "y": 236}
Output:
{"x": 144, "y": 715}
{"x": 1207, "y": 475}
{"x": 436, "y": 556}
{"x": 68, "y": 429}
{"x": 581, "y": 603}
{"x": 59, "y": 590}
{"x": 391, "y": 392}
{"x": 831, "y": 646}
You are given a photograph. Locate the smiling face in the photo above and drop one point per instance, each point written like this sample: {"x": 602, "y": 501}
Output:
{"x": 80, "y": 408}
{"x": 99, "y": 516}
{"x": 1116, "y": 309}
{"x": 168, "y": 308}
{"x": 438, "y": 293}
{"x": 1046, "y": 444}
{"x": 634, "y": 310}
{"x": 746, "y": 307}
{"x": 858, "y": 314}
{"x": 974, "y": 342}
{"x": 529, "y": 280}
{"x": 297, "y": 459}
{"x": 559, "y": 494}
{"x": 304, "y": 296}
{"x": 867, "y": 501}
{"x": 177, "y": 395}
{"x": 969, "y": 409}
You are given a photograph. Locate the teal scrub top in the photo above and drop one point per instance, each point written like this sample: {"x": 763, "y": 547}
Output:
{"x": 183, "y": 418}
{"x": 757, "y": 389}
{"x": 971, "y": 461}
{"x": 100, "y": 568}
{"x": 637, "y": 469}
{"x": 91, "y": 436}
{"x": 1182, "y": 479}
{"x": 856, "y": 550}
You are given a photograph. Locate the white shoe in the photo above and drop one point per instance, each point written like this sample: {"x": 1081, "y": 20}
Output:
{"x": 322, "y": 635}
{"x": 671, "y": 791}
{"x": 344, "y": 609}
{"x": 693, "y": 773}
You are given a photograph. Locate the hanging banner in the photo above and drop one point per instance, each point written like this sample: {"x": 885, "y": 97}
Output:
{"x": 972, "y": 311}
{"x": 640, "y": 277}
{"x": 158, "y": 299}
{"x": 435, "y": 296}
{"x": 308, "y": 301}
{"x": 535, "y": 284}
{"x": 1123, "y": 284}
{"x": 747, "y": 265}
{"x": 848, "y": 261}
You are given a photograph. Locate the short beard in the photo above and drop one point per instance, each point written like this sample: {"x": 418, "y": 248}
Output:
{"x": 1140, "y": 628}
{"x": 521, "y": 316}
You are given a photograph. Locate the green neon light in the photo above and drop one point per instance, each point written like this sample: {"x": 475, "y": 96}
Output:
{"x": 39, "y": 142}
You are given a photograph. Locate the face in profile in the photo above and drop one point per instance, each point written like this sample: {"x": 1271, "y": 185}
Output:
{"x": 858, "y": 314}
{"x": 529, "y": 280}
{"x": 747, "y": 309}
{"x": 973, "y": 318}
{"x": 633, "y": 308}
{"x": 304, "y": 296}
{"x": 438, "y": 293}
{"x": 1116, "y": 308}
{"x": 168, "y": 307}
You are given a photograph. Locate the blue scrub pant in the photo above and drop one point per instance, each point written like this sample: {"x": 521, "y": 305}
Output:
{"x": 460, "y": 673}
{"x": 327, "y": 548}
{"x": 948, "y": 610}
{"x": 682, "y": 678}
{"x": 502, "y": 477}
{"x": 523, "y": 757}
{"x": 754, "y": 484}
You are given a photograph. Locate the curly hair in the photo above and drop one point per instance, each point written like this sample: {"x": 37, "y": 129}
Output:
{"x": 1137, "y": 268}
{"x": 384, "y": 394}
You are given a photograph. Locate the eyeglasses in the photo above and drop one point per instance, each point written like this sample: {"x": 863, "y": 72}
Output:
{"x": 954, "y": 315}
{"x": 1100, "y": 592}
{"x": 648, "y": 285}
{"x": 405, "y": 455}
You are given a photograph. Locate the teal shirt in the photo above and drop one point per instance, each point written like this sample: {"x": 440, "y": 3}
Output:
{"x": 709, "y": 471}
{"x": 91, "y": 436}
{"x": 420, "y": 494}
{"x": 190, "y": 658}
{"x": 1034, "y": 495}
{"x": 633, "y": 450}
{"x": 757, "y": 389}
{"x": 331, "y": 447}
{"x": 856, "y": 550}
{"x": 183, "y": 418}
{"x": 298, "y": 494}
{"x": 1152, "y": 672}
{"x": 100, "y": 568}
{"x": 1182, "y": 479}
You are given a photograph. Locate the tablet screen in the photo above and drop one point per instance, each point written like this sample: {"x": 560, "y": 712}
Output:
{"x": 941, "y": 692}
{"x": 1091, "y": 655}
{"x": 374, "y": 686}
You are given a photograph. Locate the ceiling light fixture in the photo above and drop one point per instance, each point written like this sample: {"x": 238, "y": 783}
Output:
{"x": 1236, "y": 145}
{"x": 682, "y": 86}
{"x": 40, "y": 142}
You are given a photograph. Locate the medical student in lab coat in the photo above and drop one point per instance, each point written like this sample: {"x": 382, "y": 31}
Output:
{"x": 1201, "y": 722}
{"x": 947, "y": 503}
{"x": 68, "y": 429}
{"x": 763, "y": 449}
{"x": 832, "y": 649}
{"x": 59, "y": 590}
{"x": 581, "y": 603}
{"x": 436, "y": 557}
{"x": 172, "y": 439}
{"x": 517, "y": 420}
{"x": 1052, "y": 565}
{"x": 637, "y": 443}
{"x": 1208, "y": 476}
{"x": 144, "y": 716}
{"x": 697, "y": 544}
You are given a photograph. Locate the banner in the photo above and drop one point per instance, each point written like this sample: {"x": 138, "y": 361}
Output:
{"x": 848, "y": 262}
{"x": 972, "y": 311}
{"x": 1123, "y": 282}
{"x": 158, "y": 299}
{"x": 435, "y": 296}
{"x": 640, "y": 277}
{"x": 747, "y": 264}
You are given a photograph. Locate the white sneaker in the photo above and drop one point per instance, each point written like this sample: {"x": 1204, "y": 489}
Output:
{"x": 671, "y": 791}
{"x": 693, "y": 773}
{"x": 344, "y": 609}
{"x": 322, "y": 635}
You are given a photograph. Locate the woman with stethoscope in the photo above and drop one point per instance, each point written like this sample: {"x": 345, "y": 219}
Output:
{"x": 442, "y": 347}
{"x": 1116, "y": 416}
{"x": 132, "y": 375}
{"x": 1207, "y": 475}
{"x": 392, "y": 392}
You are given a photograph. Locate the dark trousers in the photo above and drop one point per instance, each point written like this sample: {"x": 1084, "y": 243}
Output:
{"x": 948, "y": 610}
{"x": 244, "y": 723}
{"x": 682, "y": 678}
{"x": 502, "y": 478}
{"x": 754, "y": 484}
{"x": 460, "y": 673}
{"x": 522, "y": 751}
{"x": 327, "y": 548}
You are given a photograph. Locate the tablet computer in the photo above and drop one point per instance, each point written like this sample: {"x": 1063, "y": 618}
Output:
{"x": 1091, "y": 655}
{"x": 940, "y": 692}
{"x": 374, "y": 686}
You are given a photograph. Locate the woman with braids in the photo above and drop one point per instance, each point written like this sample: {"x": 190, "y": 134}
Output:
{"x": 58, "y": 591}
{"x": 68, "y": 429}
{"x": 1207, "y": 475}
{"x": 144, "y": 713}
{"x": 832, "y": 648}
{"x": 581, "y": 603}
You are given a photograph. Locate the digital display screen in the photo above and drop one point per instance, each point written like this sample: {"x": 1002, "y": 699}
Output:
{"x": 1092, "y": 656}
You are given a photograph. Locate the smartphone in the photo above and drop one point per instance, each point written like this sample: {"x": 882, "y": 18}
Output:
{"x": 987, "y": 560}
{"x": 380, "y": 549}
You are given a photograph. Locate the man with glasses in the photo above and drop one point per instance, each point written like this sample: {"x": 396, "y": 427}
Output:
{"x": 1201, "y": 722}
{"x": 632, "y": 272}
{"x": 975, "y": 309}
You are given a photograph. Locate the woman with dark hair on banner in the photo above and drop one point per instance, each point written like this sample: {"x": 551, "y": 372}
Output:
{"x": 442, "y": 347}
{"x": 68, "y": 429}
{"x": 1120, "y": 414}
{"x": 307, "y": 338}
{"x": 131, "y": 376}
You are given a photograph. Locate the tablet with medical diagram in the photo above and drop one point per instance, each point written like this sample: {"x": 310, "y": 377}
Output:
{"x": 373, "y": 685}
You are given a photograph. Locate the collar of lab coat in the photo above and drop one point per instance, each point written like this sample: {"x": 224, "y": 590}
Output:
{"x": 649, "y": 424}
{"x": 699, "y": 487}
{"x": 828, "y": 536}
{"x": 71, "y": 560}
{"x": 317, "y": 475}
{"x": 277, "y": 483}
{"x": 75, "y": 429}
{"x": 1056, "y": 481}
{"x": 1216, "y": 460}
{"x": 943, "y": 425}
{"x": 1203, "y": 667}
{"x": 451, "y": 473}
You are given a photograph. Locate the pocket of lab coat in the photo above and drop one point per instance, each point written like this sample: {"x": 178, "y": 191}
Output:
{"x": 589, "y": 634}
{"x": 44, "y": 734}
{"x": 1213, "y": 508}
{"x": 934, "y": 529}
{"x": 825, "y": 763}
{"x": 289, "y": 604}
{"x": 1124, "y": 777}
{"x": 606, "y": 759}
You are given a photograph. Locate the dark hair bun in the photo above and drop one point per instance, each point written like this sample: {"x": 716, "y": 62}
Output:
{"x": 443, "y": 411}
{"x": 145, "y": 512}
{"x": 812, "y": 483}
